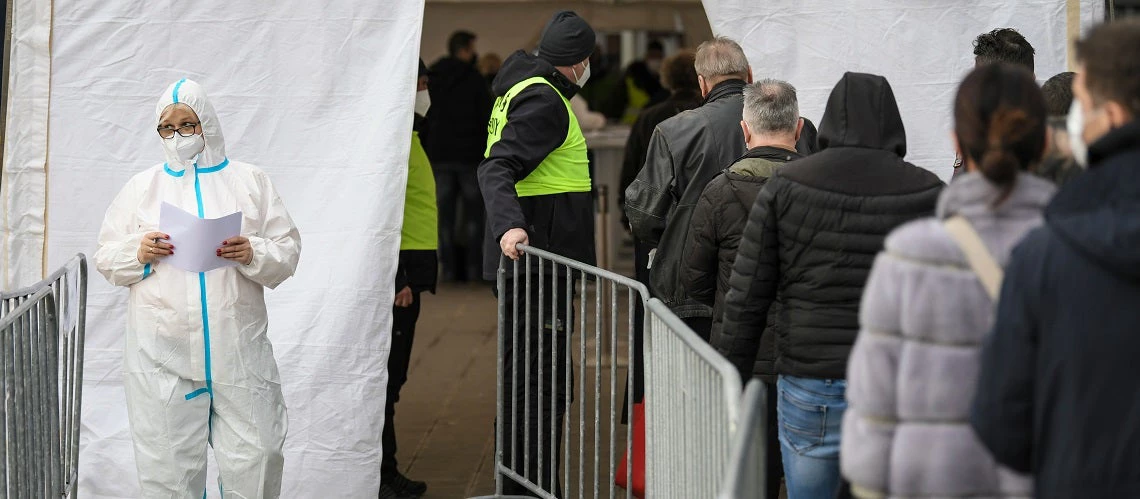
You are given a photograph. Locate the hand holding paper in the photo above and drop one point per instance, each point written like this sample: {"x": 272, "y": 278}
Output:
{"x": 237, "y": 249}
{"x": 199, "y": 239}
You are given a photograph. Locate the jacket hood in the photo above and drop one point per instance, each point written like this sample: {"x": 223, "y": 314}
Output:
{"x": 189, "y": 92}
{"x": 862, "y": 112}
{"x": 521, "y": 66}
{"x": 753, "y": 169}
{"x": 972, "y": 195}
{"x": 762, "y": 161}
{"x": 1098, "y": 213}
{"x": 449, "y": 72}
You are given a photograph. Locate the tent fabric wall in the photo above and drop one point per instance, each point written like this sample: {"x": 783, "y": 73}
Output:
{"x": 319, "y": 95}
{"x": 24, "y": 177}
{"x": 923, "y": 47}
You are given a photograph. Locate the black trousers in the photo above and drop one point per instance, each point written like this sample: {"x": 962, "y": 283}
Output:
{"x": 532, "y": 425}
{"x": 461, "y": 217}
{"x": 700, "y": 325}
{"x": 637, "y": 369}
{"x": 399, "y": 357}
{"x": 775, "y": 463}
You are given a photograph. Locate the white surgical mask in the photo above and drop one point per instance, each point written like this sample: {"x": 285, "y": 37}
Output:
{"x": 183, "y": 149}
{"x": 1075, "y": 125}
{"x": 423, "y": 102}
{"x": 583, "y": 78}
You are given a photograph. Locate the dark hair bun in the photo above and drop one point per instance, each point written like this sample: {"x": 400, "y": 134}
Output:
{"x": 999, "y": 120}
{"x": 999, "y": 163}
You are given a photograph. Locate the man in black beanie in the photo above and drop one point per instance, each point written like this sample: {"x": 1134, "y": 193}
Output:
{"x": 537, "y": 190}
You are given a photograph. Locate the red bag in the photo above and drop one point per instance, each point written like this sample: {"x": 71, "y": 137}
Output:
{"x": 638, "y": 449}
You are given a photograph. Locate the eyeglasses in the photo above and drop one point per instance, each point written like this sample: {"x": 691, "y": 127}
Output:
{"x": 186, "y": 130}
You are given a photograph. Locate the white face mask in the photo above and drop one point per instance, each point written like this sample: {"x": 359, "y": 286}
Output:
{"x": 184, "y": 149}
{"x": 423, "y": 102}
{"x": 1075, "y": 125}
{"x": 585, "y": 76}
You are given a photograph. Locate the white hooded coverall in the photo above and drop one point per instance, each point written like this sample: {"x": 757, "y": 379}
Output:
{"x": 198, "y": 366}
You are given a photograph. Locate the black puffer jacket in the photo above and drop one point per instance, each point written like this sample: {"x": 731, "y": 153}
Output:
{"x": 537, "y": 122}
{"x": 455, "y": 129}
{"x": 815, "y": 230}
{"x": 716, "y": 228}
{"x": 1057, "y": 389}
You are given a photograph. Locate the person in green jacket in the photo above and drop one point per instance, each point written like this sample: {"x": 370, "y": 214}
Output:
{"x": 415, "y": 273}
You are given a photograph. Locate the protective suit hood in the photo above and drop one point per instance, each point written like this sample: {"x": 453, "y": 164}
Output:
{"x": 189, "y": 92}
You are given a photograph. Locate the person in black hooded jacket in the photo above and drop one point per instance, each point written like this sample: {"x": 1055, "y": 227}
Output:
{"x": 537, "y": 189}
{"x": 455, "y": 138}
{"x": 1057, "y": 391}
{"x": 810, "y": 240}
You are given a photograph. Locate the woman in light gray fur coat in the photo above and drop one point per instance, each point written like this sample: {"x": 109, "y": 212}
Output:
{"x": 925, "y": 314}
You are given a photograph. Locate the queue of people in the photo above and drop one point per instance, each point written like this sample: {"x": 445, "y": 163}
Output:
{"x": 917, "y": 339}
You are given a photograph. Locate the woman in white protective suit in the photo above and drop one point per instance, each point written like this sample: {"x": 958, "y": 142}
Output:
{"x": 198, "y": 367}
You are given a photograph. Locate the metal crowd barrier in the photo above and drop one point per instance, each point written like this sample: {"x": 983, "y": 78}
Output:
{"x": 562, "y": 376}
{"x": 692, "y": 404}
{"x": 747, "y": 471}
{"x": 565, "y": 344}
{"x": 41, "y": 373}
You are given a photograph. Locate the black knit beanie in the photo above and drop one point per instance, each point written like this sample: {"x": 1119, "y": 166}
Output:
{"x": 567, "y": 40}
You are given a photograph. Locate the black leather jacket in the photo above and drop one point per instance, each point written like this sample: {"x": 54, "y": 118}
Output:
{"x": 685, "y": 153}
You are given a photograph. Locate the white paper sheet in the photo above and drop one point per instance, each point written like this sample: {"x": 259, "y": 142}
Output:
{"x": 196, "y": 240}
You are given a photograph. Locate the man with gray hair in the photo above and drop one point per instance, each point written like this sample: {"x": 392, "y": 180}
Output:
{"x": 772, "y": 127}
{"x": 685, "y": 152}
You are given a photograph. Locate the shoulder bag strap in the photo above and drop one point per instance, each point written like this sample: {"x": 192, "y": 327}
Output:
{"x": 979, "y": 258}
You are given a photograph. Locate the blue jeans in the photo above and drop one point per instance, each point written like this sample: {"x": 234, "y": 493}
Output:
{"x": 810, "y": 413}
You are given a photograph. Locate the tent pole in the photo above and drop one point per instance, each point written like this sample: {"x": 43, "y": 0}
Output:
{"x": 6, "y": 48}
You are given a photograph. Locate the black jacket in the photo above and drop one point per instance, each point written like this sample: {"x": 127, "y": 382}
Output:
{"x": 815, "y": 230}
{"x": 1058, "y": 394}
{"x": 537, "y": 122}
{"x": 685, "y": 152}
{"x": 455, "y": 129}
{"x": 637, "y": 145}
{"x": 716, "y": 227}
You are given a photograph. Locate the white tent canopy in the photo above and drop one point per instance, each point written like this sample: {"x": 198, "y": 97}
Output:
{"x": 923, "y": 47}
{"x": 319, "y": 94}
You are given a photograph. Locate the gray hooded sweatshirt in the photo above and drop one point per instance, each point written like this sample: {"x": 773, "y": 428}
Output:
{"x": 912, "y": 373}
